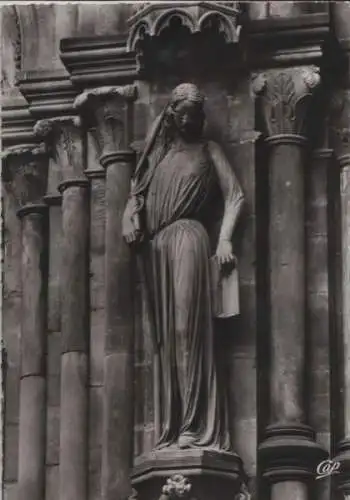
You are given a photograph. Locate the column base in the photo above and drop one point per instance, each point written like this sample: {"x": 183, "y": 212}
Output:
{"x": 196, "y": 473}
{"x": 290, "y": 453}
{"x": 343, "y": 473}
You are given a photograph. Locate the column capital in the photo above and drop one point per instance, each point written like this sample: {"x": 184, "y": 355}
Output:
{"x": 63, "y": 135}
{"x": 284, "y": 97}
{"x": 104, "y": 112}
{"x": 25, "y": 173}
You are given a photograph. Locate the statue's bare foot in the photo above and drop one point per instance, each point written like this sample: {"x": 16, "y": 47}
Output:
{"x": 186, "y": 441}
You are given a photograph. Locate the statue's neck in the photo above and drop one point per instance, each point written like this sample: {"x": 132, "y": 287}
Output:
{"x": 187, "y": 142}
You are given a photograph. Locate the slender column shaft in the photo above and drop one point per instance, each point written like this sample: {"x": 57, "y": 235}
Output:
{"x": 25, "y": 167}
{"x": 317, "y": 300}
{"x": 108, "y": 111}
{"x": 287, "y": 278}
{"x": 118, "y": 405}
{"x": 32, "y": 422}
{"x": 341, "y": 140}
{"x": 65, "y": 138}
{"x": 74, "y": 327}
{"x": 345, "y": 238}
{"x": 289, "y": 453}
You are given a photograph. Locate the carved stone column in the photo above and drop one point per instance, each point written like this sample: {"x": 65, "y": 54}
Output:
{"x": 25, "y": 167}
{"x": 288, "y": 455}
{"x": 341, "y": 137}
{"x": 341, "y": 140}
{"x": 108, "y": 110}
{"x": 64, "y": 136}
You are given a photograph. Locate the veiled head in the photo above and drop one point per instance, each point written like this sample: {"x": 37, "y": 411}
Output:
{"x": 186, "y": 108}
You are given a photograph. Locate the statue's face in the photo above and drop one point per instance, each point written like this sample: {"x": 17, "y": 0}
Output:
{"x": 189, "y": 119}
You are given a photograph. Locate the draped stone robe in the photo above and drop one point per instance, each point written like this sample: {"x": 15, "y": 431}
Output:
{"x": 179, "y": 199}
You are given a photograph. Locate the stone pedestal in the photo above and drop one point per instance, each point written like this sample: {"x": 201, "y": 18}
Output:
{"x": 192, "y": 474}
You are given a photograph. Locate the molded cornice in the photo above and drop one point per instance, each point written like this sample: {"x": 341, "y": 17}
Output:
{"x": 17, "y": 122}
{"x": 94, "y": 61}
{"x": 286, "y": 42}
{"x": 49, "y": 93}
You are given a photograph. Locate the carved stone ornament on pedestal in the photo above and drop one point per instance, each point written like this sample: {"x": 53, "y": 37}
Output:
{"x": 167, "y": 221}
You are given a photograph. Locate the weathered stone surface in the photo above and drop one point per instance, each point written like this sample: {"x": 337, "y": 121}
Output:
{"x": 55, "y": 270}
{"x": 118, "y": 267}
{"x": 97, "y": 239}
{"x": 243, "y": 408}
{"x": 53, "y": 436}
{"x": 73, "y": 428}
{"x": 74, "y": 269}
{"x": 31, "y": 459}
{"x": 11, "y": 324}
{"x": 54, "y": 369}
{"x": 95, "y": 427}
{"x": 11, "y": 453}
{"x": 97, "y": 344}
{"x": 287, "y": 275}
{"x": 118, "y": 414}
{"x": 12, "y": 243}
{"x": 10, "y": 491}
{"x": 52, "y": 482}
{"x": 289, "y": 490}
{"x": 34, "y": 279}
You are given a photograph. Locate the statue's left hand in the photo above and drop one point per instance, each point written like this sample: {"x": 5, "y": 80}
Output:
{"x": 131, "y": 223}
{"x": 225, "y": 255}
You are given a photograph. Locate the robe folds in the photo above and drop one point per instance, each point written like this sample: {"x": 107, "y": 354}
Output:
{"x": 178, "y": 198}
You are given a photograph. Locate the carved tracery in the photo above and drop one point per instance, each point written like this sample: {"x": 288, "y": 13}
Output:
{"x": 152, "y": 19}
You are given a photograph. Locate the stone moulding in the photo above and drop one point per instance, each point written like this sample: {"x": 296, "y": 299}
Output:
{"x": 290, "y": 453}
{"x": 128, "y": 92}
{"x": 152, "y": 19}
{"x": 276, "y": 42}
{"x": 49, "y": 93}
{"x": 95, "y": 61}
{"x": 17, "y": 122}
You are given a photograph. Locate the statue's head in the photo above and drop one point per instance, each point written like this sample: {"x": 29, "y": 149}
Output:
{"x": 186, "y": 110}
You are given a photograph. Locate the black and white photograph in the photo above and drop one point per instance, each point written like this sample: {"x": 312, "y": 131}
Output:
{"x": 175, "y": 250}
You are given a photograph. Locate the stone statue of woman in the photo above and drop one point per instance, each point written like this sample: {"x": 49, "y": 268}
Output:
{"x": 168, "y": 216}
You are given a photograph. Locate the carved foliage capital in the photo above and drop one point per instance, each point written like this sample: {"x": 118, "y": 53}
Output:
{"x": 103, "y": 111}
{"x": 63, "y": 136}
{"x": 340, "y": 119}
{"x": 285, "y": 98}
{"x": 25, "y": 172}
